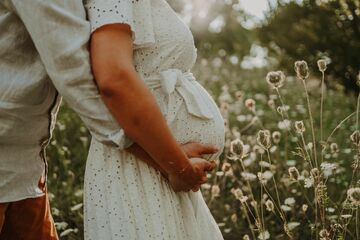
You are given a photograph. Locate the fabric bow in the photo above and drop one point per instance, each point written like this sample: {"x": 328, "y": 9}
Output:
{"x": 184, "y": 84}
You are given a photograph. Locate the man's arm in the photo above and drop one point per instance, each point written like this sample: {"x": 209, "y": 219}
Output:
{"x": 61, "y": 34}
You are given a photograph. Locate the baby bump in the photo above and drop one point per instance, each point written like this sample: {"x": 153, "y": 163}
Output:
{"x": 188, "y": 127}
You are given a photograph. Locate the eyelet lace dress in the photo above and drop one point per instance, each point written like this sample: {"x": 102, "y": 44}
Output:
{"x": 124, "y": 197}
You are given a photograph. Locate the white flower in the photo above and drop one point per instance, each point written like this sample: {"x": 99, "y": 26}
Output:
{"x": 215, "y": 191}
{"x": 237, "y": 193}
{"x": 346, "y": 216}
{"x": 248, "y": 176}
{"x": 285, "y": 208}
{"x": 243, "y": 199}
{"x": 264, "y": 164}
{"x": 308, "y": 182}
{"x": 293, "y": 225}
{"x": 290, "y": 201}
{"x": 328, "y": 168}
{"x": 284, "y": 125}
{"x": 304, "y": 207}
{"x": 76, "y": 207}
{"x": 234, "y": 218}
{"x": 269, "y": 205}
{"x": 264, "y": 235}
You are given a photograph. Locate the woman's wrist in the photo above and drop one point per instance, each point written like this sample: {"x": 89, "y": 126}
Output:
{"x": 178, "y": 164}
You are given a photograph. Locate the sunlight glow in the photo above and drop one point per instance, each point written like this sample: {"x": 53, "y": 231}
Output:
{"x": 256, "y": 8}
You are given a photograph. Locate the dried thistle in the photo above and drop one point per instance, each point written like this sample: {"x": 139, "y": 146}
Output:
{"x": 334, "y": 148}
{"x": 237, "y": 149}
{"x": 353, "y": 195}
{"x": 294, "y": 173}
{"x": 302, "y": 70}
{"x": 250, "y": 104}
{"x": 322, "y": 65}
{"x": 226, "y": 167}
{"x": 269, "y": 206}
{"x": 276, "y": 137}
{"x": 355, "y": 137}
{"x": 324, "y": 234}
{"x": 264, "y": 139}
{"x": 300, "y": 127}
{"x": 275, "y": 79}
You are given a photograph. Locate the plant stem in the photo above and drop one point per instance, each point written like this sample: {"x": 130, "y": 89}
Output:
{"x": 321, "y": 111}
{"x": 311, "y": 122}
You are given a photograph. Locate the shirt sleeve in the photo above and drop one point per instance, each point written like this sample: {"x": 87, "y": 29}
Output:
{"x": 135, "y": 13}
{"x": 60, "y": 33}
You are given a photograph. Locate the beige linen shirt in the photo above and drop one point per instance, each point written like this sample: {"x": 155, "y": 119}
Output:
{"x": 43, "y": 52}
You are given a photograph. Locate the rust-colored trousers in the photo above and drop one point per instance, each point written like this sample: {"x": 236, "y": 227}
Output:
{"x": 28, "y": 219}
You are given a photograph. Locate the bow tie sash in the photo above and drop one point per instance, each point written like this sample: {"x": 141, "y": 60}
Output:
{"x": 184, "y": 83}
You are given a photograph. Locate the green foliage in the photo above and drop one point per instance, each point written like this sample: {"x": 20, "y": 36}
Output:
{"x": 315, "y": 29}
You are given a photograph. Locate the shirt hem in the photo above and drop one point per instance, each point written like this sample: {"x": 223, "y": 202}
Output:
{"x": 16, "y": 199}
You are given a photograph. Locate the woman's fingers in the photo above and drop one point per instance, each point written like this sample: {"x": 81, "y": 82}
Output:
{"x": 208, "y": 149}
{"x": 210, "y": 166}
{"x": 196, "y": 189}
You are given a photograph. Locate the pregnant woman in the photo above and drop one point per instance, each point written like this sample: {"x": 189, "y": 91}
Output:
{"x": 126, "y": 198}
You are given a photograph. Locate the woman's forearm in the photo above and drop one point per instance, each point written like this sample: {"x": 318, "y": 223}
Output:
{"x": 141, "y": 154}
{"x": 130, "y": 100}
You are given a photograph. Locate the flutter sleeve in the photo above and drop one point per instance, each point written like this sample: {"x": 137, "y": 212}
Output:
{"x": 135, "y": 13}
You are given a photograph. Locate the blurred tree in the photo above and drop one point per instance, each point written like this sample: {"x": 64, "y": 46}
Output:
{"x": 222, "y": 29}
{"x": 313, "y": 29}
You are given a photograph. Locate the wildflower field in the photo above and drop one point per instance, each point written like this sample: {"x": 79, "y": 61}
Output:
{"x": 290, "y": 168}
{"x": 272, "y": 181}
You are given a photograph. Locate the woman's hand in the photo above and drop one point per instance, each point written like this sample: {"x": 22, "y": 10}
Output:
{"x": 191, "y": 149}
{"x": 192, "y": 176}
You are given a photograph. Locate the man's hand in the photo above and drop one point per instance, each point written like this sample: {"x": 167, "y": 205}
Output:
{"x": 192, "y": 177}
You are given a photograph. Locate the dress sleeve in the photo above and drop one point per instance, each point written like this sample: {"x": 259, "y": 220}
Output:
{"x": 135, "y": 13}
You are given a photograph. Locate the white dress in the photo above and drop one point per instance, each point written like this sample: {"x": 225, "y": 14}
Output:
{"x": 124, "y": 197}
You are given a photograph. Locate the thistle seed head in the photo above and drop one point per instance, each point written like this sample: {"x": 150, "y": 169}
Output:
{"x": 264, "y": 139}
{"x": 300, "y": 127}
{"x": 324, "y": 233}
{"x": 275, "y": 79}
{"x": 294, "y": 173}
{"x": 322, "y": 65}
{"x": 276, "y": 137}
{"x": 250, "y": 104}
{"x": 302, "y": 70}
{"x": 269, "y": 205}
{"x": 226, "y": 167}
{"x": 334, "y": 148}
{"x": 355, "y": 137}
{"x": 237, "y": 148}
{"x": 304, "y": 207}
{"x": 353, "y": 195}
